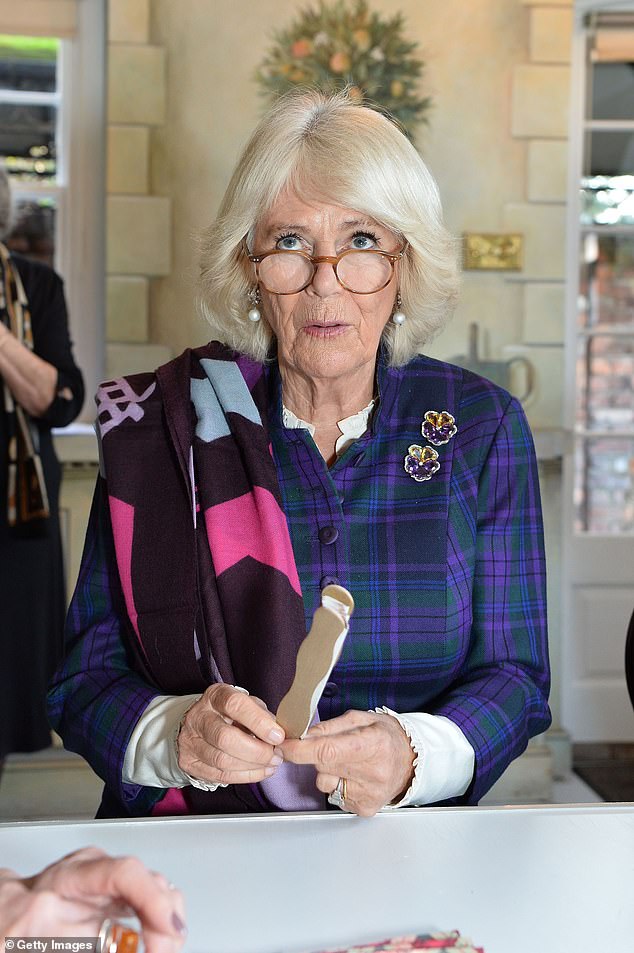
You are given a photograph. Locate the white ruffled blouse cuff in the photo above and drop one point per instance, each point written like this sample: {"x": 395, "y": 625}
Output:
{"x": 444, "y": 762}
{"x": 151, "y": 758}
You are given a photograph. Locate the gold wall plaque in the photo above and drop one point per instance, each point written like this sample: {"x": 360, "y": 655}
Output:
{"x": 493, "y": 252}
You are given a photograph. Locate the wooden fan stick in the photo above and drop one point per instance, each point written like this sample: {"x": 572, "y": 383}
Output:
{"x": 316, "y": 658}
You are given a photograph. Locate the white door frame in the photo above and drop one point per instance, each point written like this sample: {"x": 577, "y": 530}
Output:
{"x": 592, "y": 704}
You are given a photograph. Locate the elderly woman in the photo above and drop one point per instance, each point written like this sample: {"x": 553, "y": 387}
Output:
{"x": 313, "y": 445}
{"x": 40, "y": 387}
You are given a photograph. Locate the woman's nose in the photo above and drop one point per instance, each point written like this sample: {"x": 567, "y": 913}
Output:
{"x": 324, "y": 281}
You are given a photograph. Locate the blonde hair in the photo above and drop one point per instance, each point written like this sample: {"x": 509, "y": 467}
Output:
{"x": 324, "y": 146}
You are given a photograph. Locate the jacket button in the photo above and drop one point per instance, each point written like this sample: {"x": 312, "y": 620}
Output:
{"x": 328, "y": 535}
{"x": 331, "y": 689}
{"x": 328, "y": 581}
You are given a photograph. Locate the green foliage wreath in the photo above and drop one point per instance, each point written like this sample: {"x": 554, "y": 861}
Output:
{"x": 344, "y": 44}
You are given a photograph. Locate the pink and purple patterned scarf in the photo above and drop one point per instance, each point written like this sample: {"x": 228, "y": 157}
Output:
{"x": 202, "y": 545}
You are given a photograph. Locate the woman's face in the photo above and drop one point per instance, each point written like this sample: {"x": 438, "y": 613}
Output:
{"x": 325, "y": 332}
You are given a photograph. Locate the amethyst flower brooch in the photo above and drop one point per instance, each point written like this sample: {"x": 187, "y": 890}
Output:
{"x": 421, "y": 462}
{"x": 438, "y": 428}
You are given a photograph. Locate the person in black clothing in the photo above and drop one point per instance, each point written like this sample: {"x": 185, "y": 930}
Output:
{"x": 40, "y": 387}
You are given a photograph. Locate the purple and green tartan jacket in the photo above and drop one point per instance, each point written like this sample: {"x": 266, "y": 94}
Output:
{"x": 448, "y": 577}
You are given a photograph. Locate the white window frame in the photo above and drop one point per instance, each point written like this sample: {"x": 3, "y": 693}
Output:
{"x": 84, "y": 260}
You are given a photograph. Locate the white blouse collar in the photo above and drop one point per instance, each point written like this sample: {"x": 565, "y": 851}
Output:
{"x": 351, "y": 427}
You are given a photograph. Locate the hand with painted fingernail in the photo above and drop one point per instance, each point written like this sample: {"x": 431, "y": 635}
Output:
{"x": 74, "y": 895}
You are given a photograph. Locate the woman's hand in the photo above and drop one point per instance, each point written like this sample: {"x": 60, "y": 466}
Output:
{"x": 370, "y": 750}
{"x": 73, "y": 896}
{"x": 229, "y": 737}
{"x": 31, "y": 380}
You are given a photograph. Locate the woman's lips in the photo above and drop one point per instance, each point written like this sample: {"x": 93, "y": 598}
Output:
{"x": 325, "y": 330}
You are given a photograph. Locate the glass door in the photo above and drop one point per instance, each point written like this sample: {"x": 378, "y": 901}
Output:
{"x": 599, "y": 532}
{"x": 604, "y": 468}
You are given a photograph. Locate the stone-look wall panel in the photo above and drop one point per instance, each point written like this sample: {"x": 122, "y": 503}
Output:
{"x": 127, "y": 299}
{"x": 486, "y": 299}
{"x": 122, "y": 359}
{"x": 547, "y": 170}
{"x": 138, "y": 235}
{"x": 138, "y": 224}
{"x": 541, "y": 98}
{"x": 136, "y": 84}
{"x": 128, "y": 160}
{"x": 544, "y": 407}
{"x": 551, "y": 35}
{"x": 544, "y": 313}
{"x": 129, "y": 21}
{"x": 544, "y": 230}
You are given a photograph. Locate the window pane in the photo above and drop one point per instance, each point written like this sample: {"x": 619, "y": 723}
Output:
{"x": 604, "y": 485}
{"x": 33, "y": 231}
{"x": 606, "y": 280}
{"x": 607, "y": 200}
{"x": 27, "y": 140}
{"x": 605, "y": 398}
{"x": 610, "y": 153}
{"x": 613, "y": 91}
{"x": 28, "y": 63}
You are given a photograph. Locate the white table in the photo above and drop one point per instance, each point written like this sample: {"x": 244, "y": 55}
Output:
{"x": 515, "y": 880}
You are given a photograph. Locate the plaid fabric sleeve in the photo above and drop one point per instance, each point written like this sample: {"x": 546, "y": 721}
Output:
{"x": 95, "y": 699}
{"x": 499, "y": 699}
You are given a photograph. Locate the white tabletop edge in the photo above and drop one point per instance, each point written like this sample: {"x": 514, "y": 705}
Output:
{"x": 612, "y": 807}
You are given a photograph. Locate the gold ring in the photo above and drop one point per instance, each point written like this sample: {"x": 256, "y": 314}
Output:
{"x": 344, "y": 788}
{"x": 114, "y": 937}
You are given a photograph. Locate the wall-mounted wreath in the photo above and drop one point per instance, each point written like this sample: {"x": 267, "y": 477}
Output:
{"x": 345, "y": 44}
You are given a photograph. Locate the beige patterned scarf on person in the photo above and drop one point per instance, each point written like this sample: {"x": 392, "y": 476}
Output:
{"x": 27, "y": 498}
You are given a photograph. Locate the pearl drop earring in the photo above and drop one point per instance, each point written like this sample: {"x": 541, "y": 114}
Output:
{"x": 398, "y": 317}
{"x": 254, "y": 297}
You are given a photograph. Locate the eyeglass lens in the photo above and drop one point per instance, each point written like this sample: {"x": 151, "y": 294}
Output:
{"x": 363, "y": 272}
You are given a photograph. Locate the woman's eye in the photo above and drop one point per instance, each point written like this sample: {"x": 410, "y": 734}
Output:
{"x": 288, "y": 243}
{"x": 363, "y": 240}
